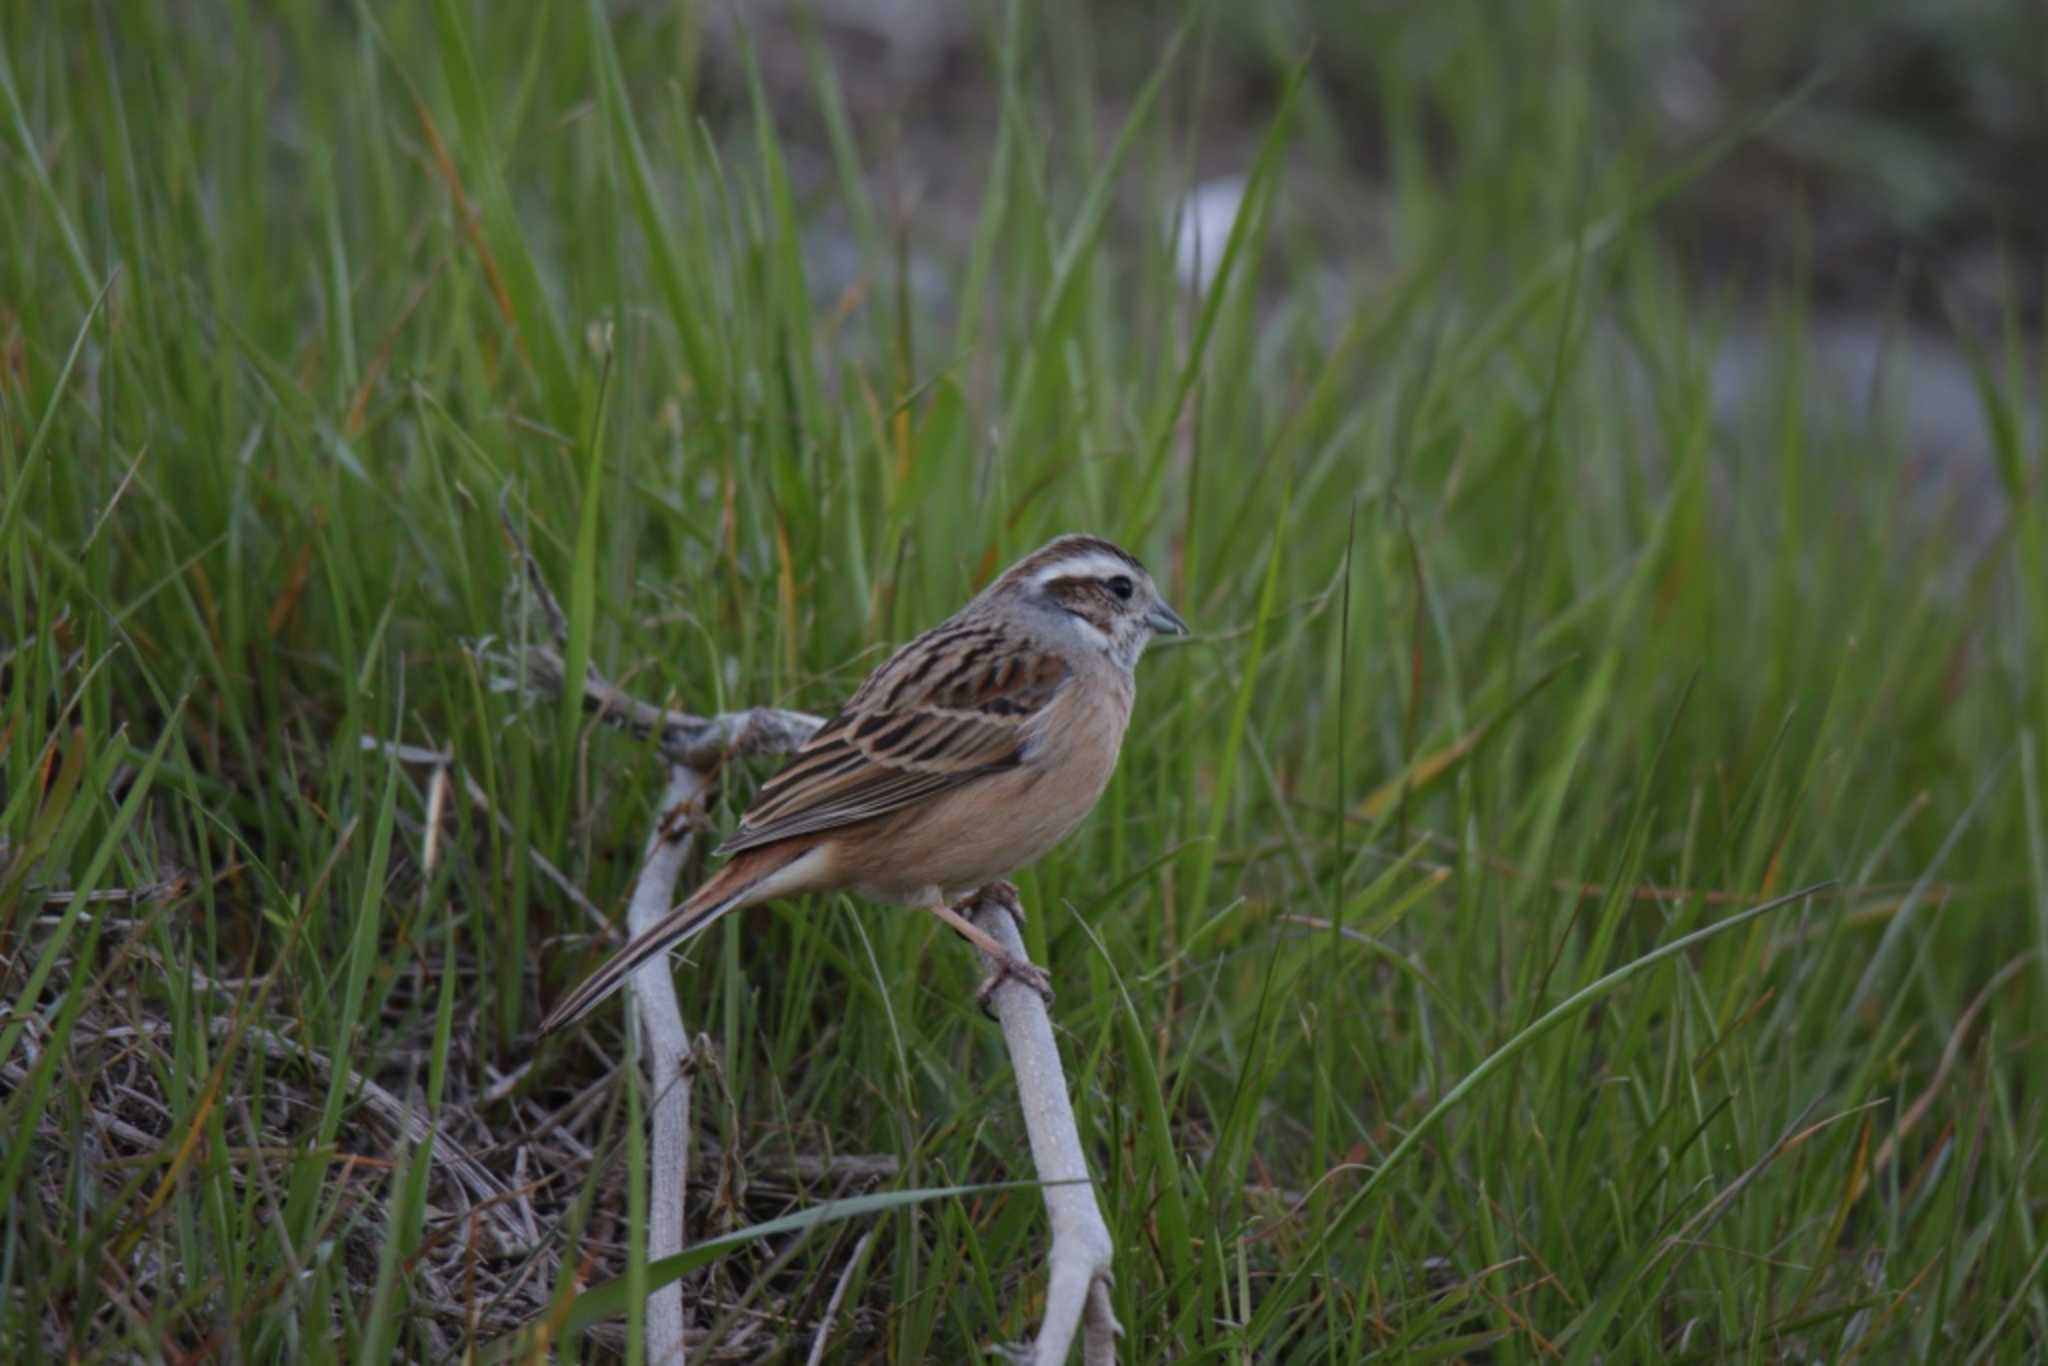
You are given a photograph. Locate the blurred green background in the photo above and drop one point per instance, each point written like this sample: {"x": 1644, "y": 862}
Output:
{"x": 1599, "y": 448}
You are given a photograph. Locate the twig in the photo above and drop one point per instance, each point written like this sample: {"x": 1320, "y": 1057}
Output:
{"x": 818, "y": 1343}
{"x": 164, "y": 889}
{"x": 684, "y": 739}
{"x": 699, "y": 742}
{"x": 1077, "y": 1293}
{"x": 669, "y": 1056}
{"x": 442, "y": 763}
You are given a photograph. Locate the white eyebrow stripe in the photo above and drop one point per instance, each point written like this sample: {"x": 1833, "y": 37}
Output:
{"x": 1092, "y": 564}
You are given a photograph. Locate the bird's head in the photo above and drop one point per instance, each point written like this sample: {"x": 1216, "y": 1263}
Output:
{"x": 1095, "y": 590}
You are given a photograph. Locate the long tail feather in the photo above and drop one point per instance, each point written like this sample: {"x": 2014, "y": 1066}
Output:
{"x": 685, "y": 922}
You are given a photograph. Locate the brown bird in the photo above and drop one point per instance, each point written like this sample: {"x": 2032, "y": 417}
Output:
{"x": 968, "y": 754}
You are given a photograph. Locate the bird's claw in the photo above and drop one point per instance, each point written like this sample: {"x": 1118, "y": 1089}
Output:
{"x": 1008, "y": 969}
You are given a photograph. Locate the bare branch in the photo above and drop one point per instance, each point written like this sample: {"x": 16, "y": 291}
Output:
{"x": 1077, "y": 1292}
{"x": 669, "y": 1054}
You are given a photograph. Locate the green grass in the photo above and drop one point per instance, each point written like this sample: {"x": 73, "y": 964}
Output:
{"x": 1516, "y": 665}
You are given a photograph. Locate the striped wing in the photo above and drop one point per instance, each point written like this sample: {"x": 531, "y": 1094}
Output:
{"x": 955, "y": 704}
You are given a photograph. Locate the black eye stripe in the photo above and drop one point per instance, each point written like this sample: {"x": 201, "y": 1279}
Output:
{"x": 1080, "y": 586}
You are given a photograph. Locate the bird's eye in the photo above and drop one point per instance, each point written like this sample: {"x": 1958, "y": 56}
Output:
{"x": 1122, "y": 587}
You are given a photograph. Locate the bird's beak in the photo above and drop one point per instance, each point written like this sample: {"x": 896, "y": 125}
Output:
{"x": 1165, "y": 621}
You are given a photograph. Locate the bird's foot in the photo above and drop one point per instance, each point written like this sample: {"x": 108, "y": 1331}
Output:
{"x": 1003, "y": 893}
{"x": 1011, "y": 969}
{"x": 1005, "y": 965}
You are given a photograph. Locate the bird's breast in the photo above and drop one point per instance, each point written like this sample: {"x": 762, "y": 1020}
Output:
{"x": 995, "y": 825}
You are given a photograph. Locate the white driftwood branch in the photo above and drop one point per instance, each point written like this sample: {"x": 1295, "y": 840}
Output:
{"x": 1077, "y": 1294}
{"x": 666, "y": 1045}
